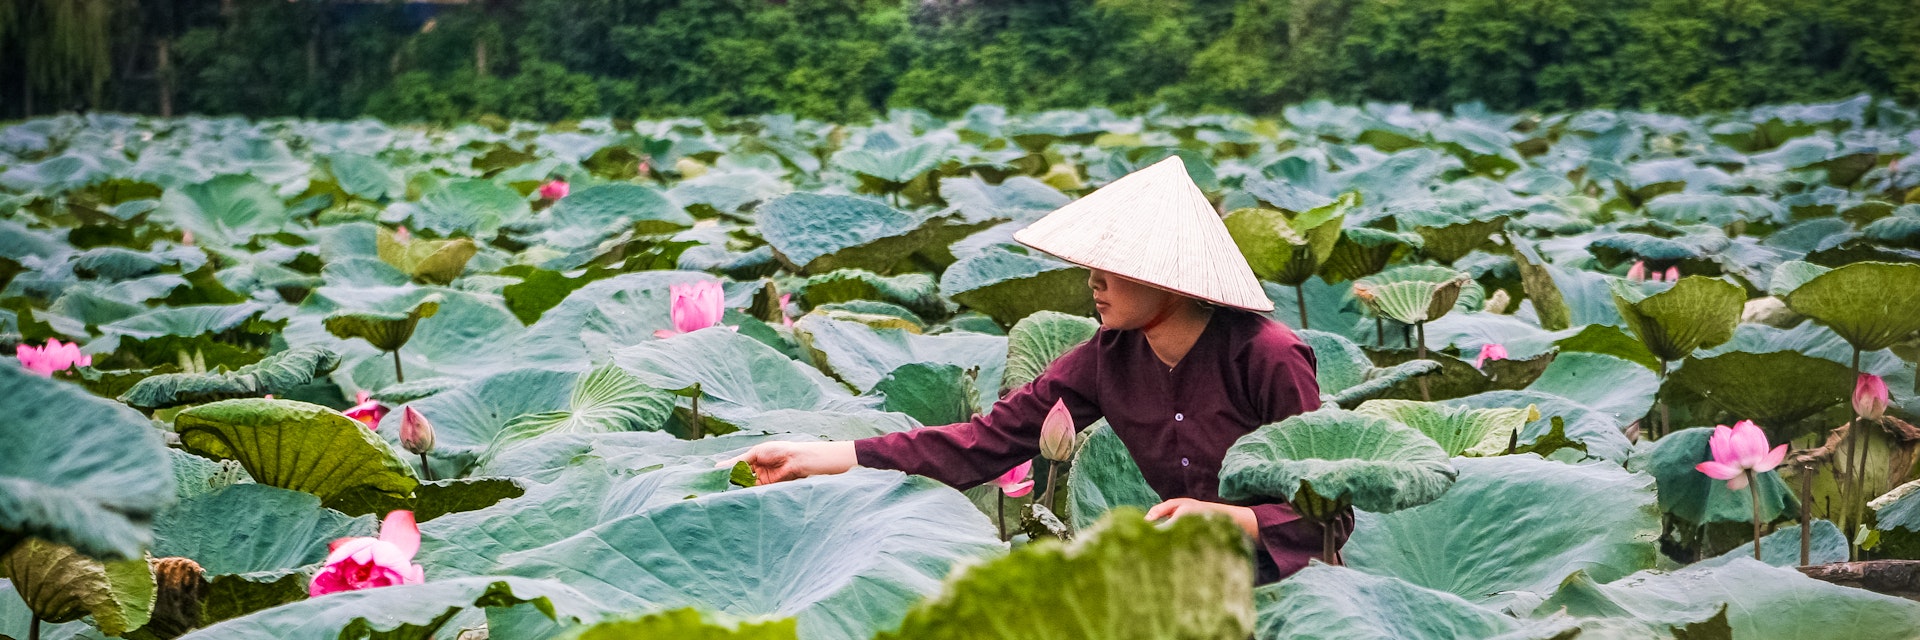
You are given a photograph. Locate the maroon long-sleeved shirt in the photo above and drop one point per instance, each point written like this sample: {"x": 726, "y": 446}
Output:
{"x": 1244, "y": 371}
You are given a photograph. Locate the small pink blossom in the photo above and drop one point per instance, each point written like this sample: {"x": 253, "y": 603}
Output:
{"x": 1673, "y": 274}
{"x": 366, "y": 563}
{"x": 554, "y": 190}
{"x": 186, "y": 238}
{"x": 1738, "y": 453}
{"x": 368, "y": 411}
{"x": 1638, "y": 273}
{"x": 1488, "y": 353}
{"x": 1016, "y": 482}
{"x": 694, "y": 306}
{"x": 51, "y": 357}
{"x": 784, "y": 318}
{"x": 402, "y": 235}
{"x": 1870, "y": 398}
{"x": 1056, "y": 433}
{"x": 416, "y": 434}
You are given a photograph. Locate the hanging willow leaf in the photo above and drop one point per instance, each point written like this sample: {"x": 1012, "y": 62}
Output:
{"x": 386, "y": 330}
{"x": 1413, "y": 293}
{"x": 276, "y": 374}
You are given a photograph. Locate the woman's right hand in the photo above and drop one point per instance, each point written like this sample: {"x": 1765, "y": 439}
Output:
{"x": 782, "y": 461}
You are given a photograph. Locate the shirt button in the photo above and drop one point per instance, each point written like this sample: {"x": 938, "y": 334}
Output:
{"x": 1183, "y": 462}
{"x": 1179, "y": 417}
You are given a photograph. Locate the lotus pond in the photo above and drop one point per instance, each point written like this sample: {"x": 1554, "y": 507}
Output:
{"x": 1526, "y": 326}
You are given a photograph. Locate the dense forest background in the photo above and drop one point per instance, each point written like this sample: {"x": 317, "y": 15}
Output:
{"x": 850, "y": 59}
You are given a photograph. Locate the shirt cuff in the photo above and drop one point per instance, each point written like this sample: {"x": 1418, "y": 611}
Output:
{"x": 1292, "y": 540}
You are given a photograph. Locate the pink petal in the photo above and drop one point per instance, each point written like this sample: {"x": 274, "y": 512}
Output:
{"x": 1018, "y": 489}
{"x": 400, "y": 531}
{"x": 1673, "y": 274}
{"x": 1737, "y": 483}
{"x": 1638, "y": 273}
{"x": 1718, "y": 471}
{"x": 665, "y": 333}
{"x": 1773, "y": 459}
{"x": 1720, "y": 444}
{"x": 1749, "y": 444}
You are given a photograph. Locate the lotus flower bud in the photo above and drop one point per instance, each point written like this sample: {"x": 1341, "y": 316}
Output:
{"x": 554, "y": 190}
{"x": 1492, "y": 351}
{"x": 1870, "y": 397}
{"x": 1737, "y": 451}
{"x": 1056, "y": 433}
{"x": 416, "y": 434}
{"x": 1638, "y": 273}
{"x": 402, "y": 235}
{"x": 1673, "y": 274}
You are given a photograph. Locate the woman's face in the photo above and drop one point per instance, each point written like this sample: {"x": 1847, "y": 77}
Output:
{"x": 1126, "y": 304}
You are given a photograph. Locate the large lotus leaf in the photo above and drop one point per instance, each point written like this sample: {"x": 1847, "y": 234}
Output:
{"x": 605, "y": 209}
{"x": 1782, "y": 548}
{"x": 1457, "y": 429}
{"x": 78, "y": 470}
{"x": 1692, "y": 496}
{"x": 916, "y": 292}
{"x": 1598, "y": 432}
{"x": 1337, "y": 603}
{"x": 605, "y": 399}
{"x": 1760, "y": 601}
{"x": 930, "y": 393}
{"x": 544, "y": 459}
{"x": 279, "y": 373}
{"x": 16, "y": 619}
{"x": 816, "y": 233}
{"x": 1621, "y": 389}
{"x": 1695, "y": 313}
{"x": 229, "y": 210}
{"x": 364, "y": 177}
{"x": 468, "y": 338}
{"x": 474, "y": 207}
{"x": 1871, "y": 304}
{"x": 427, "y": 261}
{"x": 845, "y": 554}
{"x": 1336, "y": 456}
{"x": 585, "y": 328}
{"x": 247, "y": 528}
{"x": 1451, "y": 242}
{"x": 1776, "y": 389}
{"x": 190, "y": 321}
{"x": 1411, "y": 294}
{"x": 737, "y": 375}
{"x": 1610, "y": 340}
{"x": 385, "y": 330}
{"x": 1514, "y": 523}
{"x": 1898, "y": 509}
{"x": 889, "y": 170}
{"x": 566, "y": 503}
{"x": 468, "y": 418}
{"x": 1124, "y": 579}
{"x": 1037, "y": 340}
{"x": 1103, "y": 477}
{"x": 860, "y": 355}
{"x": 1289, "y": 248}
{"x": 405, "y": 612}
{"x": 61, "y": 584}
{"x": 1536, "y": 279}
{"x": 1329, "y": 306}
{"x": 1363, "y": 251}
{"x": 1010, "y": 284}
{"x": 295, "y": 445}
{"x": 684, "y": 624}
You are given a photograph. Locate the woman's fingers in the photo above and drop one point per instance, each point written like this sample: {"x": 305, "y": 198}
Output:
{"x": 1163, "y": 509}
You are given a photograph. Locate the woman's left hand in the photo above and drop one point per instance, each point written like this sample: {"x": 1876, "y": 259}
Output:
{"x": 1188, "y": 506}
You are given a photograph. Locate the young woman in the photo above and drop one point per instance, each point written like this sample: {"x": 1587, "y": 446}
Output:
{"x": 1181, "y": 367}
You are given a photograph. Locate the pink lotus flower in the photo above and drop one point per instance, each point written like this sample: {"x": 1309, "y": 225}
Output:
{"x": 1673, "y": 274}
{"x": 554, "y": 190}
{"x": 1492, "y": 351}
{"x": 1739, "y": 454}
{"x": 366, "y": 563}
{"x": 784, "y": 318}
{"x": 416, "y": 434}
{"x": 1870, "y": 397}
{"x": 1056, "y": 433}
{"x": 402, "y": 235}
{"x": 51, "y": 357}
{"x": 186, "y": 238}
{"x": 1016, "y": 482}
{"x": 368, "y": 411}
{"x": 1639, "y": 272}
{"x": 694, "y": 307}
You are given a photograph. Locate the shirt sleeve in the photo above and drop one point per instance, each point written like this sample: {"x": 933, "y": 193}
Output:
{"x": 966, "y": 454}
{"x": 1282, "y": 383}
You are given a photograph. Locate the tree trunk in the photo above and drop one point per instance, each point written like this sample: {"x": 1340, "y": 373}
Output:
{"x": 480, "y": 56}
{"x": 163, "y": 69}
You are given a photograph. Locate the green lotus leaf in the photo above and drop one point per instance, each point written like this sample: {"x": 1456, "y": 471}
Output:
{"x": 1039, "y": 339}
{"x": 1777, "y": 389}
{"x": 1364, "y": 251}
{"x": 1759, "y": 601}
{"x": 1103, "y": 477}
{"x": 1620, "y": 389}
{"x": 16, "y": 620}
{"x": 1782, "y": 548}
{"x": 1329, "y": 602}
{"x": 1385, "y": 380}
{"x": 472, "y": 417}
{"x": 1869, "y": 303}
{"x": 860, "y": 355}
{"x": 115, "y": 264}
{"x": 602, "y": 316}
{"x": 737, "y": 376}
{"x": 1514, "y": 523}
{"x": 1411, "y": 294}
{"x": 1536, "y": 279}
{"x": 1563, "y": 423}
{"x": 889, "y": 170}
{"x": 1691, "y": 496}
{"x": 1452, "y": 242}
{"x": 1609, "y": 340}
{"x": 279, "y": 373}
{"x": 1289, "y": 248}
{"x": 365, "y": 178}
{"x": 472, "y": 335}
{"x": 930, "y": 393}
{"x": 1898, "y": 509}
{"x": 846, "y": 554}
{"x": 477, "y": 208}
{"x": 229, "y": 210}
{"x": 1453, "y": 377}
{"x": 1791, "y": 274}
{"x": 916, "y": 292}
{"x": 605, "y": 399}
{"x": 815, "y": 233}
{"x": 385, "y": 330}
{"x": 1124, "y": 579}
{"x": 78, "y": 470}
{"x": 411, "y": 612}
{"x": 247, "y": 528}
{"x": 427, "y": 261}
{"x": 1457, "y": 429}
{"x": 1896, "y": 230}
{"x": 60, "y": 584}
{"x": 298, "y": 446}
{"x": 1336, "y": 456}
{"x": 1698, "y": 242}
{"x": 684, "y": 624}
{"x": 603, "y": 210}
{"x": 1695, "y": 313}
{"x": 1009, "y": 285}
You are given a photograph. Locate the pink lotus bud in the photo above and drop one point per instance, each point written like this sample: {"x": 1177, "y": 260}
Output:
{"x": 696, "y": 306}
{"x": 186, "y": 238}
{"x": 1488, "y": 353}
{"x": 554, "y": 190}
{"x": 402, "y": 235}
{"x": 784, "y": 318}
{"x": 416, "y": 434}
{"x": 1638, "y": 273}
{"x": 1738, "y": 451}
{"x": 1673, "y": 274}
{"x": 368, "y": 411}
{"x": 1870, "y": 398}
{"x": 52, "y": 357}
{"x": 365, "y": 563}
{"x": 1016, "y": 482}
{"x": 1056, "y": 433}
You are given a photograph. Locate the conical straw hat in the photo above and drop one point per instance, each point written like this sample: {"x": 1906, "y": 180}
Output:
{"x": 1155, "y": 226}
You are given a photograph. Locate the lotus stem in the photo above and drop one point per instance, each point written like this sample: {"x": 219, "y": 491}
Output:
{"x": 698, "y": 432}
{"x": 1000, "y": 514}
{"x": 1300, "y": 298}
{"x": 1421, "y": 327}
{"x": 1328, "y": 553}
{"x": 1053, "y": 475}
{"x": 1379, "y": 331}
{"x": 426, "y": 468}
{"x": 398, "y": 375}
{"x": 1806, "y": 514}
{"x": 1753, "y": 488}
{"x": 33, "y": 630}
